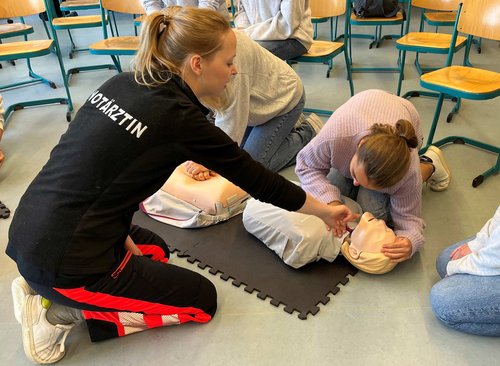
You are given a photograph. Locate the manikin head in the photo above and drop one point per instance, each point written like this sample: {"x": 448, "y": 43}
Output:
{"x": 364, "y": 251}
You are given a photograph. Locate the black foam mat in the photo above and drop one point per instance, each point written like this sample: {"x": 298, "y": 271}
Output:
{"x": 229, "y": 250}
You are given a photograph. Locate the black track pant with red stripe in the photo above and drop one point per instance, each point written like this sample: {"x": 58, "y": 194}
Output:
{"x": 139, "y": 293}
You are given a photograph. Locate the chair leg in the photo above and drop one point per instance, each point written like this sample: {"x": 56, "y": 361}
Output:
{"x": 434, "y": 123}
{"x": 116, "y": 62}
{"x": 69, "y": 102}
{"x": 37, "y": 77}
{"x": 401, "y": 71}
{"x": 429, "y": 94}
{"x": 73, "y": 46}
{"x": 349, "y": 73}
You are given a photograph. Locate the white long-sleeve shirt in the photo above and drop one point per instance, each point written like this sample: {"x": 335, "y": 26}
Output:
{"x": 485, "y": 257}
{"x": 273, "y": 20}
{"x": 155, "y": 5}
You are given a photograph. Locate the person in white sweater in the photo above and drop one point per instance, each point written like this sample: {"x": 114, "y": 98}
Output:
{"x": 261, "y": 109}
{"x": 468, "y": 296}
{"x": 155, "y": 5}
{"x": 281, "y": 26}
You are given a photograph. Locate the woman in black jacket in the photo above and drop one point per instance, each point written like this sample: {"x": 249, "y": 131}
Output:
{"x": 71, "y": 236}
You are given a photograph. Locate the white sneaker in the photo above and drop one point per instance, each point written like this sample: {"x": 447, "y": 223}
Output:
{"x": 315, "y": 122}
{"x": 43, "y": 342}
{"x": 440, "y": 179}
{"x": 20, "y": 289}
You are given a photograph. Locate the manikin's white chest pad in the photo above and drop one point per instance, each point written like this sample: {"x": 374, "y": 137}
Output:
{"x": 188, "y": 203}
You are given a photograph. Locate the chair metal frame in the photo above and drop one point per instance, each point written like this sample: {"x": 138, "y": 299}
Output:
{"x": 428, "y": 48}
{"x": 56, "y": 24}
{"x": 429, "y": 81}
{"x": 36, "y": 5}
{"x": 327, "y": 57}
{"x": 377, "y": 38}
{"x": 318, "y": 8}
{"x": 103, "y": 47}
{"x": 437, "y": 19}
{"x": 13, "y": 30}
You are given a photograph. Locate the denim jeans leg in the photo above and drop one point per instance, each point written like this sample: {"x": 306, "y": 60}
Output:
{"x": 344, "y": 185}
{"x": 275, "y": 144}
{"x": 284, "y": 49}
{"x": 377, "y": 203}
{"x": 468, "y": 303}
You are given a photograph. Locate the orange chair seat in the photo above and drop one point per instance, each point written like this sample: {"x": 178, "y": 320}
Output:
{"x": 429, "y": 40}
{"x": 15, "y": 27}
{"x": 465, "y": 79}
{"x": 75, "y": 3}
{"x": 398, "y": 17}
{"x": 78, "y": 20}
{"x": 322, "y": 48}
{"x": 140, "y": 18}
{"x": 446, "y": 16}
{"x": 125, "y": 43}
{"x": 18, "y": 48}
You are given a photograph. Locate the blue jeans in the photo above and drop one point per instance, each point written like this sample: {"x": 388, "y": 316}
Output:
{"x": 275, "y": 144}
{"x": 370, "y": 201}
{"x": 465, "y": 302}
{"x": 284, "y": 49}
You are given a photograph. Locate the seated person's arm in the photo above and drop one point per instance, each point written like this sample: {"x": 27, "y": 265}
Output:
{"x": 481, "y": 256}
{"x": 151, "y": 6}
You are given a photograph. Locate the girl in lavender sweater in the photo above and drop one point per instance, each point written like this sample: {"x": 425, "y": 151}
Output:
{"x": 368, "y": 151}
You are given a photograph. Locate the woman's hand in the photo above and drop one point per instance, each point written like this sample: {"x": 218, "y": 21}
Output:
{"x": 198, "y": 171}
{"x": 399, "y": 251}
{"x": 131, "y": 247}
{"x": 460, "y": 252}
{"x": 338, "y": 218}
{"x": 335, "y": 217}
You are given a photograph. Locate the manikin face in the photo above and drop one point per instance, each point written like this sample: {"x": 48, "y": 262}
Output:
{"x": 219, "y": 68}
{"x": 369, "y": 235}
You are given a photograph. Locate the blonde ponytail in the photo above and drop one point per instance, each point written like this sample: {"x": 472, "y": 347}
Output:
{"x": 170, "y": 36}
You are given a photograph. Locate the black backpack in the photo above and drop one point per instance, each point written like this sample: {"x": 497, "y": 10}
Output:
{"x": 375, "y": 8}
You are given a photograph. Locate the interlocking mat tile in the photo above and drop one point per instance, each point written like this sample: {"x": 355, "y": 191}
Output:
{"x": 234, "y": 254}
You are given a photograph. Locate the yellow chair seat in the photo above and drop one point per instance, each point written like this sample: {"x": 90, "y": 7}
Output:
{"x": 465, "y": 79}
{"x": 125, "y": 43}
{"x": 77, "y": 3}
{"x": 15, "y": 27}
{"x": 319, "y": 18}
{"x": 17, "y": 48}
{"x": 446, "y": 16}
{"x": 397, "y": 17}
{"x": 75, "y": 21}
{"x": 429, "y": 40}
{"x": 140, "y": 18}
{"x": 322, "y": 48}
